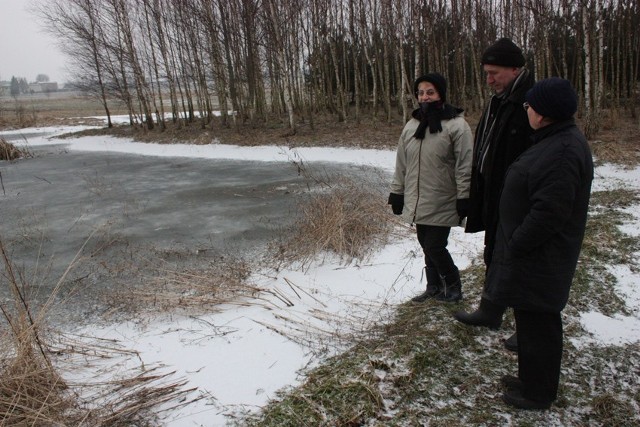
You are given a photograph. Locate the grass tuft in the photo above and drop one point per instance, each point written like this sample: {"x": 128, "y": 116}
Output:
{"x": 31, "y": 391}
{"x": 10, "y": 152}
{"x": 609, "y": 410}
{"x": 345, "y": 217}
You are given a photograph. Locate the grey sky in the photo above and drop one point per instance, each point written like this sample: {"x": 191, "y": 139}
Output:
{"x": 25, "y": 49}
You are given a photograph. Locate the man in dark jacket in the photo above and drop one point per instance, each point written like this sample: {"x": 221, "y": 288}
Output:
{"x": 503, "y": 133}
{"x": 542, "y": 219}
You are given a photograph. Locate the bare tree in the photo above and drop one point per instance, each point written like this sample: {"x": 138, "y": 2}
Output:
{"x": 275, "y": 14}
{"x": 265, "y": 59}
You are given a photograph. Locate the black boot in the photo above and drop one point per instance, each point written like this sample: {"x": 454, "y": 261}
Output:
{"x": 511, "y": 343}
{"x": 434, "y": 285}
{"x": 452, "y": 289}
{"x": 488, "y": 314}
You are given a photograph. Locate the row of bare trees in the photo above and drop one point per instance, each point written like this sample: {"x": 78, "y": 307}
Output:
{"x": 259, "y": 60}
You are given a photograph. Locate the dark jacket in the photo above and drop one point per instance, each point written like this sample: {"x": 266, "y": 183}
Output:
{"x": 542, "y": 217}
{"x": 504, "y": 133}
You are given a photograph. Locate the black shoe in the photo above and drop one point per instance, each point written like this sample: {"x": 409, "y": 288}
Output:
{"x": 434, "y": 285}
{"x": 511, "y": 343}
{"x": 478, "y": 318}
{"x": 450, "y": 296}
{"x": 429, "y": 293}
{"x": 514, "y": 398}
{"x": 511, "y": 383}
{"x": 451, "y": 288}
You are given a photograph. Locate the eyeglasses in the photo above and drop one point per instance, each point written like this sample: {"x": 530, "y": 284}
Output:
{"x": 429, "y": 92}
{"x": 525, "y": 106}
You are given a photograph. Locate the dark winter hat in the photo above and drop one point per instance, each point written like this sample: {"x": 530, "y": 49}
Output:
{"x": 437, "y": 80}
{"x": 505, "y": 53}
{"x": 553, "y": 98}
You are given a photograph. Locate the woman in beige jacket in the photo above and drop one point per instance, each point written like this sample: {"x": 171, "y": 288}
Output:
{"x": 430, "y": 186}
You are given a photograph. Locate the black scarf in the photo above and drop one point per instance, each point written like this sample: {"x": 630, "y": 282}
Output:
{"x": 431, "y": 114}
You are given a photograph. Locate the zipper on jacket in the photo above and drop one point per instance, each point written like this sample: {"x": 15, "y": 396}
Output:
{"x": 415, "y": 209}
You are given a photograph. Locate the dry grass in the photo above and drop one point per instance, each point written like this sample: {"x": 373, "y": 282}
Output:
{"x": 8, "y": 151}
{"x": 56, "y": 108}
{"x": 618, "y": 140}
{"x": 33, "y": 391}
{"x": 167, "y": 288}
{"x": 623, "y": 153}
{"x": 30, "y": 388}
{"x": 346, "y": 217}
{"x": 326, "y": 132}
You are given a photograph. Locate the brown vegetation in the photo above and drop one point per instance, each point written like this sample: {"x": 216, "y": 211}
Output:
{"x": 9, "y": 151}
{"x": 618, "y": 140}
{"x": 367, "y": 134}
{"x": 346, "y": 218}
{"x": 33, "y": 391}
{"x": 167, "y": 288}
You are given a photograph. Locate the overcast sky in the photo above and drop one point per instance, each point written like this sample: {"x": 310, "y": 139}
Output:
{"x": 25, "y": 49}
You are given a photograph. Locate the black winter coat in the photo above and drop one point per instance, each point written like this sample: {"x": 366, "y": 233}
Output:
{"x": 507, "y": 139}
{"x": 542, "y": 218}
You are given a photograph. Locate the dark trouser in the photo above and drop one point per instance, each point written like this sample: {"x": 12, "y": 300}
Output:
{"x": 489, "y": 244}
{"x": 539, "y": 353}
{"x": 486, "y": 305}
{"x": 434, "y": 240}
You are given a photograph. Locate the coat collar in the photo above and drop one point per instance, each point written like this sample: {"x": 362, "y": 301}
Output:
{"x": 542, "y": 133}
{"x": 519, "y": 87}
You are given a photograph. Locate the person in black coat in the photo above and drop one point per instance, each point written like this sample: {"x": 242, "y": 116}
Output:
{"x": 503, "y": 133}
{"x": 542, "y": 216}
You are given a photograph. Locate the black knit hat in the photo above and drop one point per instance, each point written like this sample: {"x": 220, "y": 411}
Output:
{"x": 553, "y": 98}
{"x": 505, "y": 53}
{"x": 437, "y": 80}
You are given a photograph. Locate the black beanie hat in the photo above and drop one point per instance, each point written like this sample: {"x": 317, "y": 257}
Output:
{"x": 437, "y": 80}
{"x": 505, "y": 53}
{"x": 553, "y": 98}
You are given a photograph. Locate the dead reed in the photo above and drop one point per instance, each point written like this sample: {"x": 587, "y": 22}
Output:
{"x": 33, "y": 388}
{"x": 30, "y": 388}
{"x": 31, "y": 391}
{"x": 168, "y": 287}
{"x": 348, "y": 218}
{"x": 8, "y": 151}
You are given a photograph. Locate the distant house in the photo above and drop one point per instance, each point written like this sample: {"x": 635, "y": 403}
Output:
{"x": 43, "y": 87}
{"x": 5, "y": 88}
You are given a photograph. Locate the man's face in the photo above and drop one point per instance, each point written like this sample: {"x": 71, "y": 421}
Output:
{"x": 499, "y": 77}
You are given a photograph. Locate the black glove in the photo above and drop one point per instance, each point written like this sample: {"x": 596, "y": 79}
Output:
{"x": 462, "y": 207}
{"x": 397, "y": 203}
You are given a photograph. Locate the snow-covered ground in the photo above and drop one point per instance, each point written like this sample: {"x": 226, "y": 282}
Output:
{"x": 238, "y": 358}
{"x": 619, "y": 329}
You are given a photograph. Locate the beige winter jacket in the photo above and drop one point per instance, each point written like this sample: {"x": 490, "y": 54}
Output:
{"x": 432, "y": 173}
